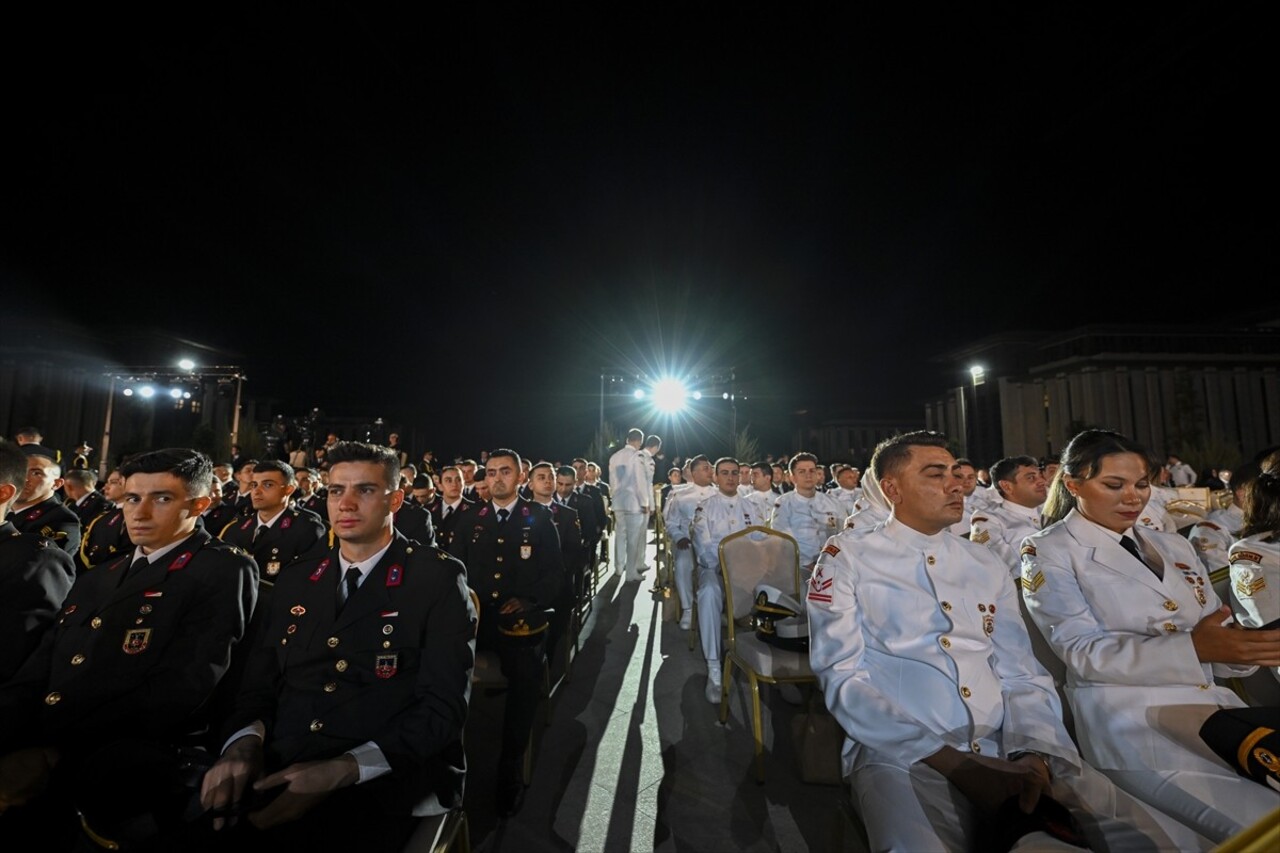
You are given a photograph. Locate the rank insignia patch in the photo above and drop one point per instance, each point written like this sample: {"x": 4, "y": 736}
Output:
{"x": 1028, "y": 551}
{"x": 1246, "y": 588}
{"x": 1250, "y": 556}
{"x": 385, "y": 666}
{"x": 831, "y": 549}
{"x": 136, "y": 641}
{"x": 1034, "y": 582}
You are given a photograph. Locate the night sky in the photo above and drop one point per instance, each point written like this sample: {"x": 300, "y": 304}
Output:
{"x": 456, "y": 223}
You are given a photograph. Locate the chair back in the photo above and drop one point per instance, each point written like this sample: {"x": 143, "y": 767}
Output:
{"x": 752, "y": 556}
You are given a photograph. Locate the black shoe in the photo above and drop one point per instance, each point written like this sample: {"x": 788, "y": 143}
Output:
{"x": 510, "y": 795}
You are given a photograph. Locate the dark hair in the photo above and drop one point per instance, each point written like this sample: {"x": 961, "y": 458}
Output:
{"x": 360, "y": 451}
{"x": 802, "y": 456}
{"x": 1261, "y": 503}
{"x": 1080, "y": 460}
{"x": 82, "y": 476}
{"x": 422, "y": 481}
{"x": 13, "y": 464}
{"x": 764, "y": 468}
{"x": 653, "y": 441}
{"x": 965, "y": 460}
{"x": 1005, "y": 468}
{"x": 284, "y": 469}
{"x": 696, "y": 460}
{"x": 581, "y": 459}
{"x": 190, "y": 466}
{"x": 543, "y": 464}
{"x": 724, "y": 459}
{"x": 634, "y": 434}
{"x": 567, "y": 471}
{"x": 891, "y": 453}
{"x": 503, "y": 451}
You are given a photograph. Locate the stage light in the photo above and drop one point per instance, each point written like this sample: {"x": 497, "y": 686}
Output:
{"x": 128, "y": 392}
{"x": 187, "y": 364}
{"x": 146, "y": 392}
{"x": 638, "y": 393}
{"x": 668, "y": 395}
{"x": 697, "y": 395}
{"x": 175, "y": 393}
{"x": 724, "y": 396}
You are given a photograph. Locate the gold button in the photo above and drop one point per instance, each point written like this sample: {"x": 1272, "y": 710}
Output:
{"x": 330, "y": 687}
{"x": 76, "y": 660}
{"x": 1170, "y": 628}
{"x": 387, "y": 629}
{"x": 332, "y": 642}
{"x": 408, "y": 550}
{"x": 316, "y": 725}
{"x": 386, "y": 644}
{"x": 930, "y": 560}
{"x": 499, "y": 559}
{"x": 493, "y": 594}
{"x": 340, "y": 666}
{"x": 500, "y": 541}
{"x": 1171, "y": 606}
{"x": 497, "y": 576}
{"x": 95, "y": 622}
{"x": 1204, "y": 687}
{"x": 946, "y": 605}
{"x": 284, "y": 641}
{"x": 946, "y": 644}
{"x": 976, "y": 747}
{"x": 53, "y": 698}
{"x": 966, "y": 692}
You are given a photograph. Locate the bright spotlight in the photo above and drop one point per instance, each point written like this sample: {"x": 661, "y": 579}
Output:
{"x": 175, "y": 393}
{"x": 187, "y": 364}
{"x": 697, "y": 395}
{"x": 638, "y": 393}
{"x": 668, "y": 395}
{"x": 186, "y": 395}
{"x": 724, "y": 396}
{"x": 147, "y": 392}
{"x": 128, "y": 392}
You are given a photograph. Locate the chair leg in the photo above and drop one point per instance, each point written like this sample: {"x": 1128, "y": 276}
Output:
{"x": 693, "y": 622}
{"x": 757, "y": 726}
{"x": 725, "y": 678}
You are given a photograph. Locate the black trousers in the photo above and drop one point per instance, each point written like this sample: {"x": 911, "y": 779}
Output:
{"x": 522, "y": 663}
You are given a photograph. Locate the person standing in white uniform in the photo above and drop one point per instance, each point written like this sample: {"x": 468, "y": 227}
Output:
{"x": 1135, "y": 620}
{"x": 632, "y": 494}
{"x": 923, "y": 658}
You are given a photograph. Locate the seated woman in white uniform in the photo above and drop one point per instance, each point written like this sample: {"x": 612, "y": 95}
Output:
{"x": 1255, "y": 557}
{"x": 1134, "y": 618}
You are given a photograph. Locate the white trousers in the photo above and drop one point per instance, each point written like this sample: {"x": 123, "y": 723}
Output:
{"x": 682, "y": 568}
{"x": 1217, "y": 805}
{"x": 628, "y": 541}
{"x": 919, "y": 811}
{"x": 710, "y": 603}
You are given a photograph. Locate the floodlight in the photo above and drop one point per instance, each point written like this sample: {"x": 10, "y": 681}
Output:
{"x": 147, "y": 392}
{"x": 175, "y": 393}
{"x": 697, "y": 395}
{"x": 128, "y": 392}
{"x": 669, "y": 395}
{"x": 187, "y": 364}
{"x": 638, "y": 393}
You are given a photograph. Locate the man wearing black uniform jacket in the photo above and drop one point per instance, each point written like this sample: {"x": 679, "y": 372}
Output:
{"x": 35, "y": 574}
{"x": 107, "y": 536}
{"x": 82, "y": 499}
{"x": 414, "y": 523}
{"x": 37, "y": 509}
{"x": 512, "y": 553}
{"x": 542, "y": 484}
{"x": 310, "y": 494}
{"x": 275, "y": 534}
{"x": 94, "y": 719}
{"x": 350, "y": 720}
{"x": 449, "y": 508}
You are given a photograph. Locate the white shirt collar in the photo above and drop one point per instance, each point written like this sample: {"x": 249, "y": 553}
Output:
{"x": 270, "y": 521}
{"x": 365, "y": 566}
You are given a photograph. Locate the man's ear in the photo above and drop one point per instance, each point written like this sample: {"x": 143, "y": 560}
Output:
{"x": 890, "y": 488}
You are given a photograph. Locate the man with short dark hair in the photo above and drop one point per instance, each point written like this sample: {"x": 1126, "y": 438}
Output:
{"x": 276, "y": 534}
{"x": 37, "y": 509}
{"x": 107, "y": 535}
{"x": 309, "y": 494}
{"x": 82, "y": 498}
{"x": 349, "y": 726}
{"x": 448, "y": 513}
{"x": 677, "y": 515}
{"x": 513, "y": 560}
{"x": 97, "y": 715}
{"x": 631, "y": 480}
{"x": 809, "y": 516}
{"x": 1015, "y": 515}
{"x": 542, "y": 486}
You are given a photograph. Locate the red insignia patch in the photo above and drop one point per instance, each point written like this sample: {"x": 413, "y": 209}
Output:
{"x": 285, "y": 522}
{"x": 319, "y": 572}
{"x": 395, "y": 574}
{"x": 831, "y": 549}
{"x": 385, "y": 666}
{"x": 249, "y": 522}
{"x": 183, "y": 559}
{"x": 1028, "y": 551}
{"x": 152, "y": 593}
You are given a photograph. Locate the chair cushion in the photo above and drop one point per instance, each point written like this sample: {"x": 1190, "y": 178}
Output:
{"x": 769, "y": 661}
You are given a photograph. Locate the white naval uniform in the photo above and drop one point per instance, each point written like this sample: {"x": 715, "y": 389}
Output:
{"x": 810, "y": 521}
{"x": 761, "y": 502}
{"x": 1002, "y": 527}
{"x": 1135, "y": 683}
{"x": 848, "y": 498}
{"x": 630, "y": 496}
{"x": 918, "y": 644}
{"x": 1212, "y": 537}
{"x": 1255, "y": 582}
{"x": 870, "y": 509}
{"x": 713, "y": 519}
{"x": 677, "y": 515}
{"x": 971, "y": 504}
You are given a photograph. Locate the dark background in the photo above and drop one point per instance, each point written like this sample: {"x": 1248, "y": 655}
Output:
{"x": 455, "y": 223}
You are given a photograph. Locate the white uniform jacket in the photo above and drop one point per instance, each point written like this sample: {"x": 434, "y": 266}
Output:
{"x": 810, "y": 521}
{"x": 628, "y": 486}
{"x": 715, "y": 518}
{"x": 677, "y": 512}
{"x": 1212, "y": 537}
{"x": 1124, "y": 635}
{"x": 761, "y": 503}
{"x": 1255, "y": 582}
{"x": 847, "y": 498}
{"x": 918, "y": 643}
{"x": 1001, "y": 527}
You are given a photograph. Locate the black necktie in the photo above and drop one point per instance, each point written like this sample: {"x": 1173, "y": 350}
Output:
{"x": 503, "y": 515}
{"x": 1132, "y": 547}
{"x": 135, "y": 567}
{"x": 447, "y": 511}
{"x": 257, "y": 533}
{"x": 352, "y": 581}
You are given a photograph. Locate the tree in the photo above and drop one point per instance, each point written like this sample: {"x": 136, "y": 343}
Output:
{"x": 746, "y": 447}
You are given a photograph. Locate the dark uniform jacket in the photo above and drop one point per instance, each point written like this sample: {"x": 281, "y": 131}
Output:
{"x": 569, "y": 529}
{"x": 94, "y": 504}
{"x": 447, "y": 527}
{"x": 414, "y": 523}
{"x": 137, "y": 658}
{"x": 35, "y": 576}
{"x": 105, "y": 538}
{"x": 293, "y": 534}
{"x": 318, "y": 504}
{"x": 518, "y": 559}
{"x": 394, "y": 667}
{"x": 52, "y": 520}
{"x": 591, "y": 515}
{"x": 215, "y": 520}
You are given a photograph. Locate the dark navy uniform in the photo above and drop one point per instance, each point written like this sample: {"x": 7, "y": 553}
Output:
{"x": 414, "y": 523}
{"x": 392, "y": 667}
{"x": 215, "y": 520}
{"x": 317, "y": 503}
{"x": 35, "y": 576}
{"x": 51, "y": 519}
{"x": 447, "y": 527}
{"x": 293, "y": 534}
{"x": 105, "y": 538}
{"x": 126, "y": 672}
{"x": 519, "y": 558}
{"x": 93, "y": 506}
{"x": 574, "y": 555}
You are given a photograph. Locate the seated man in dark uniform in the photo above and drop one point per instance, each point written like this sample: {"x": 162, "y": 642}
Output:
{"x": 353, "y": 706}
{"x": 107, "y": 536}
{"x": 512, "y": 553}
{"x": 38, "y": 509}
{"x": 95, "y": 718}
{"x": 35, "y": 574}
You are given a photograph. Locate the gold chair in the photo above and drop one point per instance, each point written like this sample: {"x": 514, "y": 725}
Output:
{"x": 749, "y": 557}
